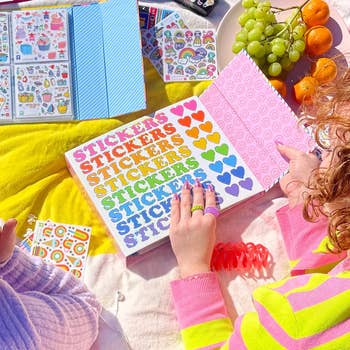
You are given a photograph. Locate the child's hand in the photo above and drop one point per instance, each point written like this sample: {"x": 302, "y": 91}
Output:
{"x": 7, "y": 239}
{"x": 192, "y": 234}
{"x": 301, "y": 165}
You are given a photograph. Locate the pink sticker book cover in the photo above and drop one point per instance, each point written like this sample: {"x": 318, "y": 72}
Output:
{"x": 131, "y": 173}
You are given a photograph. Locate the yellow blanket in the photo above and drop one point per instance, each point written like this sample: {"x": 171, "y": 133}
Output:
{"x": 33, "y": 175}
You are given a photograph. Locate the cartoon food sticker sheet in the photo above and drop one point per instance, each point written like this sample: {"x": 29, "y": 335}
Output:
{"x": 4, "y": 38}
{"x": 42, "y": 90}
{"x": 231, "y": 177}
{"x": 40, "y": 35}
{"x": 152, "y": 39}
{"x": 189, "y": 54}
{"x": 5, "y": 93}
{"x": 66, "y": 246}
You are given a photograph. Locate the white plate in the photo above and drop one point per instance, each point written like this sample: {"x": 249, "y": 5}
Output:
{"x": 229, "y": 27}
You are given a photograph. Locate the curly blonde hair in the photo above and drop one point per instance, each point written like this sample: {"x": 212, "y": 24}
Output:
{"x": 330, "y": 114}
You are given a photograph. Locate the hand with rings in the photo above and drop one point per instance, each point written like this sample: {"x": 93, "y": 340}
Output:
{"x": 192, "y": 228}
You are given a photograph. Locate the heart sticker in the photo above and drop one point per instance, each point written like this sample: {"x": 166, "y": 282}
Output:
{"x": 194, "y": 132}
{"x": 232, "y": 190}
{"x": 247, "y": 183}
{"x": 207, "y": 127}
{"x": 238, "y": 172}
{"x": 209, "y": 155}
{"x": 231, "y": 160}
{"x": 217, "y": 167}
{"x": 178, "y": 110}
{"x": 215, "y": 137}
{"x": 222, "y": 149}
{"x": 198, "y": 116}
{"x": 186, "y": 121}
{"x": 191, "y": 105}
{"x": 201, "y": 143}
{"x": 225, "y": 178}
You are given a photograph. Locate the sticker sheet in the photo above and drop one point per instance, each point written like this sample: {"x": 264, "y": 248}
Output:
{"x": 64, "y": 245}
{"x": 4, "y": 38}
{"x": 189, "y": 54}
{"x": 152, "y": 39}
{"x": 5, "y": 93}
{"x": 40, "y": 35}
{"x": 42, "y": 90}
{"x": 225, "y": 168}
{"x": 149, "y": 16}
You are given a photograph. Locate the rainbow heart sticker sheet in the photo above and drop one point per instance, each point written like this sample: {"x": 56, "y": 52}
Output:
{"x": 63, "y": 245}
{"x": 224, "y": 167}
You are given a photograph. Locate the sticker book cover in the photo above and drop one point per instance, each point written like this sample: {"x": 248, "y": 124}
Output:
{"x": 60, "y": 64}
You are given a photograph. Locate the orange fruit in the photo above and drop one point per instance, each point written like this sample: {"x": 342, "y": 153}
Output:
{"x": 318, "y": 40}
{"x": 315, "y": 12}
{"x": 304, "y": 89}
{"x": 280, "y": 86}
{"x": 324, "y": 70}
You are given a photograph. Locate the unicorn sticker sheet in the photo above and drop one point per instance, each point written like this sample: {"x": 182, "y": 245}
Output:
{"x": 189, "y": 54}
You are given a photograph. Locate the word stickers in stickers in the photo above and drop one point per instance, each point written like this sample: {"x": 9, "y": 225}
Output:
{"x": 189, "y": 54}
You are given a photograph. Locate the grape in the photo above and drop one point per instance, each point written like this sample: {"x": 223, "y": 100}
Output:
{"x": 299, "y": 45}
{"x": 298, "y": 31}
{"x": 294, "y": 55}
{"x": 249, "y": 25}
{"x": 274, "y": 46}
{"x": 242, "y": 36}
{"x": 271, "y": 58}
{"x": 248, "y": 3}
{"x": 269, "y": 30}
{"x": 254, "y": 34}
{"x": 243, "y": 18}
{"x": 254, "y": 47}
{"x": 275, "y": 69}
{"x": 238, "y": 46}
{"x": 278, "y": 49}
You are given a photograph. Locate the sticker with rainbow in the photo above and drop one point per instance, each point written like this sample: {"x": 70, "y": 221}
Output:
{"x": 189, "y": 54}
{"x": 63, "y": 245}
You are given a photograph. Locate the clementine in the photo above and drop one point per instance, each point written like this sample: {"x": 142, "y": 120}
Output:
{"x": 280, "y": 86}
{"x": 318, "y": 40}
{"x": 315, "y": 12}
{"x": 324, "y": 70}
{"x": 304, "y": 89}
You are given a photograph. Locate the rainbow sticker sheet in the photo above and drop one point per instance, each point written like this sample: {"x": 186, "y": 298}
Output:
{"x": 132, "y": 172}
{"x": 63, "y": 245}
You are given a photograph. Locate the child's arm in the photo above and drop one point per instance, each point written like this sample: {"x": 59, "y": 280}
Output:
{"x": 284, "y": 316}
{"x": 43, "y": 306}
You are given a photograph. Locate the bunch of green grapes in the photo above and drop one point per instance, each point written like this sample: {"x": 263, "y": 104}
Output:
{"x": 274, "y": 46}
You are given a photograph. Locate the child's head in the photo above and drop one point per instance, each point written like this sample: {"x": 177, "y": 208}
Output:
{"x": 329, "y": 185}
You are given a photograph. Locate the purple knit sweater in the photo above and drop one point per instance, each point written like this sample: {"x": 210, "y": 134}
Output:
{"x": 43, "y": 307}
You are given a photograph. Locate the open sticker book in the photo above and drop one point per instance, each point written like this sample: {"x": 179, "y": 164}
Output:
{"x": 60, "y": 64}
{"x": 63, "y": 245}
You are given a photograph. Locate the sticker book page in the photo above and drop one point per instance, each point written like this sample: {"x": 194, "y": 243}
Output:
{"x": 131, "y": 173}
{"x": 42, "y": 90}
{"x": 189, "y": 54}
{"x": 63, "y": 245}
{"x": 4, "y": 38}
{"x": 40, "y": 35}
{"x": 254, "y": 116}
{"x": 5, "y": 93}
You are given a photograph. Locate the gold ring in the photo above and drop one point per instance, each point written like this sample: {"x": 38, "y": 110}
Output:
{"x": 197, "y": 207}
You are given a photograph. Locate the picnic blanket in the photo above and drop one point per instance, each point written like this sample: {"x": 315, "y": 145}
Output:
{"x": 34, "y": 180}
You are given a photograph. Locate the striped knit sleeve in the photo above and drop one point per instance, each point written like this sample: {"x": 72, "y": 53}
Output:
{"x": 44, "y": 307}
{"x": 303, "y": 312}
